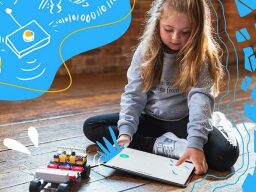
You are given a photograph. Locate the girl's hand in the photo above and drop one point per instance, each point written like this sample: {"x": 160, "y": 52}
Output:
{"x": 124, "y": 140}
{"x": 197, "y": 157}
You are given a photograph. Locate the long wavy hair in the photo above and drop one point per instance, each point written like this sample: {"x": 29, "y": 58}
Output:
{"x": 200, "y": 49}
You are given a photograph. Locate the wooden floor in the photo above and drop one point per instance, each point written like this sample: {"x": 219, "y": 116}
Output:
{"x": 59, "y": 119}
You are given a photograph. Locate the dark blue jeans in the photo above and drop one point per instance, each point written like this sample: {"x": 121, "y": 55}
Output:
{"x": 220, "y": 154}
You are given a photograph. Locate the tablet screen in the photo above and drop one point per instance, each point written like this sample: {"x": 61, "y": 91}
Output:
{"x": 152, "y": 166}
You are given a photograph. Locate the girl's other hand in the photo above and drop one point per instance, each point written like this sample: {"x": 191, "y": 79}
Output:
{"x": 197, "y": 157}
{"x": 124, "y": 140}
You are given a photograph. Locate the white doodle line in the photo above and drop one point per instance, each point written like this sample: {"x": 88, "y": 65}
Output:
{"x": 58, "y": 6}
{"x": 40, "y": 4}
{"x": 9, "y": 12}
{"x": 99, "y": 165}
{"x": 43, "y": 4}
{"x": 53, "y": 26}
{"x": 51, "y": 23}
{"x": 32, "y": 68}
{"x": 79, "y": 1}
{"x": 2, "y": 40}
{"x": 86, "y": 4}
{"x": 27, "y": 79}
{"x": 31, "y": 62}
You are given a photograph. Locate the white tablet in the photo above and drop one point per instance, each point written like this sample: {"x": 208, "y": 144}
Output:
{"x": 152, "y": 166}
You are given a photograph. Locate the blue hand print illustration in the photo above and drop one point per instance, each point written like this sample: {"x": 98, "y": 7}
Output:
{"x": 110, "y": 150}
{"x": 37, "y": 37}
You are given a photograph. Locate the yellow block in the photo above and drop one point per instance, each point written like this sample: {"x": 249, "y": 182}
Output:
{"x": 72, "y": 159}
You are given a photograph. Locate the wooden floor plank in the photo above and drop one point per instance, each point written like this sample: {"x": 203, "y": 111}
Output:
{"x": 23, "y": 184}
{"x": 59, "y": 119}
{"x": 113, "y": 184}
{"x": 206, "y": 185}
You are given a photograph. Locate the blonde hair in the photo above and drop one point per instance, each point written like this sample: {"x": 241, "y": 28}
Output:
{"x": 200, "y": 48}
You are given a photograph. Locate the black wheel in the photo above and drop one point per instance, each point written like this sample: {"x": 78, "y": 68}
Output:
{"x": 54, "y": 185}
{"x": 63, "y": 187}
{"x": 86, "y": 173}
{"x": 35, "y": 186}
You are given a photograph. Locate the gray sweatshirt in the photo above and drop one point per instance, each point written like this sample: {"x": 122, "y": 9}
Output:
{"x": 167, "y": 103}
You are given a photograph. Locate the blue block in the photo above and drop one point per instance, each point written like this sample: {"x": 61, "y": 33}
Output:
{"x": 239, "y": 37}
{"x": 246, "y": 83}
{"x": 250, "y": 111}
{"x": 242, "y": 35}
{"x": 249, "y": 59}
{"x": 249, "y": 183}
{"x": 249, "y": 3}
{"x": 253, "y": 95}
{"x": 245, "y": 7}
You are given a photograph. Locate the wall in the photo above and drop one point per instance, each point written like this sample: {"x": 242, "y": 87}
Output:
{"x": 234, "y": 22}
{"x": 116, "y": 56}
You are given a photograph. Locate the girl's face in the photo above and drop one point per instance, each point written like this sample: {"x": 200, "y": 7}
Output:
{"x": 175, "y": 30}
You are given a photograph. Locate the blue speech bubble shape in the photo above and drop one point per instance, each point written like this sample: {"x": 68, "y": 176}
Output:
{"x": 109, "y": 150}
{"x": 36, "y": 37}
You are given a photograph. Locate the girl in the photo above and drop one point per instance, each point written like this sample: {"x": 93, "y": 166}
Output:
{"x": 167, "y": 106}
